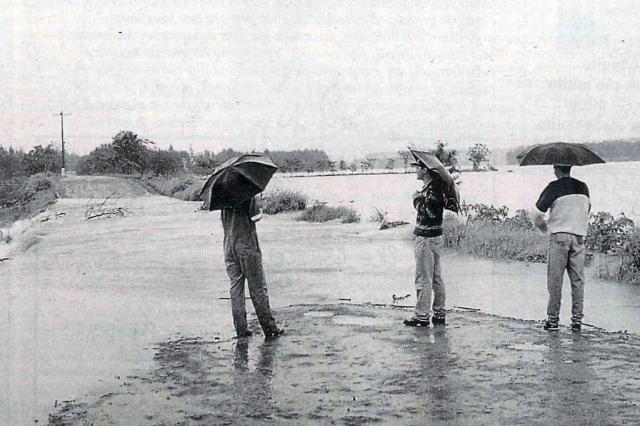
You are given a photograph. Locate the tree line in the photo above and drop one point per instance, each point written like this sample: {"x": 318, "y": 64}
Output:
{"x": 128, "y": 153}
{"x": 610, "y": 150}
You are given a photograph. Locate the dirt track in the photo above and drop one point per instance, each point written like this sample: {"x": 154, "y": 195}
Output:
{"x": 350, "y": 364}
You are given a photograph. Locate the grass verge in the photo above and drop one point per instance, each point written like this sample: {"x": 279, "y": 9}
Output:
{"x": 186, "y": 188}
{"x": 25, "y": 198}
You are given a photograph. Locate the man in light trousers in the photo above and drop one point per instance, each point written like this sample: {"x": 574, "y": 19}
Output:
{"x": 429, "y": 203}
{"x": 567, "y": 202}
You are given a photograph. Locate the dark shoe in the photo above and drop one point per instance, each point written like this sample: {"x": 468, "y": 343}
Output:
{"x": 415, "y": 322}
{"x": 273, "y": 333}
{"x": 576, "y": 326}
{"x": 550, "y": 326}
{"x": 439, "y": 320}
{"x": 244, "y": 333}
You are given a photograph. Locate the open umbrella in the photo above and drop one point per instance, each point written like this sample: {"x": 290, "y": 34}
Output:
{"x": 237, "y": 180}
{"x": 449, "y": 188}
{"x": 559, "y": 153}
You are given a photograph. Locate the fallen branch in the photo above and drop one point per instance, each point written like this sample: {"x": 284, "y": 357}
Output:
{"x": 95, "y": 210}
{"x": 394, "y": 224}
{"x": 118, "y": 211}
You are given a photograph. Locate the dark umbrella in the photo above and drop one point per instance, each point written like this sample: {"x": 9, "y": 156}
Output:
{"x": 559, "y": 153}
{"x": 237, "y": 180}
{"x": 437, "y": 169}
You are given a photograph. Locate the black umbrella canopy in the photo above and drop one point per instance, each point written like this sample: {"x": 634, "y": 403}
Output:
{"x": 450, "y": 190}
{"x": 237, "y": 180}
{"x": 559, "y": 153}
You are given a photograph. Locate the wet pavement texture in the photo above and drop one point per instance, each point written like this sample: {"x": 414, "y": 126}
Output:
{"x": 479, "y": 369}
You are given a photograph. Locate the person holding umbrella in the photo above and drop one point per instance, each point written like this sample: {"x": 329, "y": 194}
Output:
{"x": 438, "y": 192}
{"x": 566, "y": 201}
{"x": 232, "y": 188}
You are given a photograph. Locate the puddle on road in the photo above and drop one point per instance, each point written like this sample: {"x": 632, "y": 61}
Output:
{"x": 528, "y": 347}
{"x": 318, "y": 314}
{"x": 354, "y": 320}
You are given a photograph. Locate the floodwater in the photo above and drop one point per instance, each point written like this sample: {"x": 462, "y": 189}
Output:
{"x": 612, "y": 188}
{"x": 85, "y": 302}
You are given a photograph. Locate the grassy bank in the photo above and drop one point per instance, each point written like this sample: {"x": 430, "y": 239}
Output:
{"x": 323, "y": 213}
{"x": 495, "y": 240}
{"x": 24, "y": 198}
{"x": 186, "y": 188}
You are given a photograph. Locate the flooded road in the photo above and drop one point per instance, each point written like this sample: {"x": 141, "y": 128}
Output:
{"x": 84, "y": 302}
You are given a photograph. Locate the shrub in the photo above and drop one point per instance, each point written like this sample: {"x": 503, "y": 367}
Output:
{"x": 483, "y": 212}
{"x": 607, "y": 234}
{"x": 495, "y": 240}
{"x": 283, "y": 200}
{"x": 320, "y": 212}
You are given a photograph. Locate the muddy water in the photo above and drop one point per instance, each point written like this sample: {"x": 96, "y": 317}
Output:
{"x": 87, "y": 301}
{"x": 611, "y": 188}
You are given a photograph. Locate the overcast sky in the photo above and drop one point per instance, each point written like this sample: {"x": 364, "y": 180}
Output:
{"x": 346, "y": 77}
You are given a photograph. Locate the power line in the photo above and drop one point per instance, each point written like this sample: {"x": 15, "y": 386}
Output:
{"x": 62, "y": 114}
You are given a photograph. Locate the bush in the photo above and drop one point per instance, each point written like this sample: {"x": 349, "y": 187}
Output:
{"x": 483, "y": 212}
{"x": 495, "y": 240}
{"x": 283, "y": 200}
{"x": 607, "y": 234}
{"x": 322, "y": 213}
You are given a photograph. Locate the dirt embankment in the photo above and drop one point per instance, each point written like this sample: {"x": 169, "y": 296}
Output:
{"x": 351, "y": 364}
{"x": 100, "y": 187}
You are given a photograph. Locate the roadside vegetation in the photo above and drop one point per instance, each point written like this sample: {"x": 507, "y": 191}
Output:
{"x": 186, "y": 188}
{"x": 26, "y": 197}
{"x": 489, "y": 231}
{"x": 320, "y": 212}
{"x": 613, "y": 243}
{"x": 283, "y": 200}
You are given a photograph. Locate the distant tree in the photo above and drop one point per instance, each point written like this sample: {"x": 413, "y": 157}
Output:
{"x": 103, "y": 159}
{"x": 406, "y": 157}
{"x": 343, "y": 165}
{"x": 164, "y": 163}
{"x": 43, "y": 159}
{"x": 353, "y": 167}
{"x": 478, "y": 154}
{"x": 11, "y": 163}
{"x": 390, "y": 164}
{"x": 131, "y": 152}
{"x": 448, "y": 157}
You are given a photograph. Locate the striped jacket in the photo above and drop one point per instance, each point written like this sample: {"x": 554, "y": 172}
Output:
{"x": 568, "y": 204}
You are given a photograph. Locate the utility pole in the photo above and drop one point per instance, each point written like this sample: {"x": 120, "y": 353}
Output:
{"x": 62, "y": 114}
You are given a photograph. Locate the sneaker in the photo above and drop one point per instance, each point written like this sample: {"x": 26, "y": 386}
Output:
{"x": 415, "y": 322}
{"x": 576, "y": 326}
{"x": 273, "y": 333}
{"x": 439, "y": 320}
{"x": 550, "y": 326}
{"x": 244, "y": 333}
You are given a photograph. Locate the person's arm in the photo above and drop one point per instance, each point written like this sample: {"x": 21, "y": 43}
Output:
{"x": 539, "y": 220}
{"x": 255, "y": 212}
{"x": 538, "y": 213}
{"x": 418, "y": 198}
